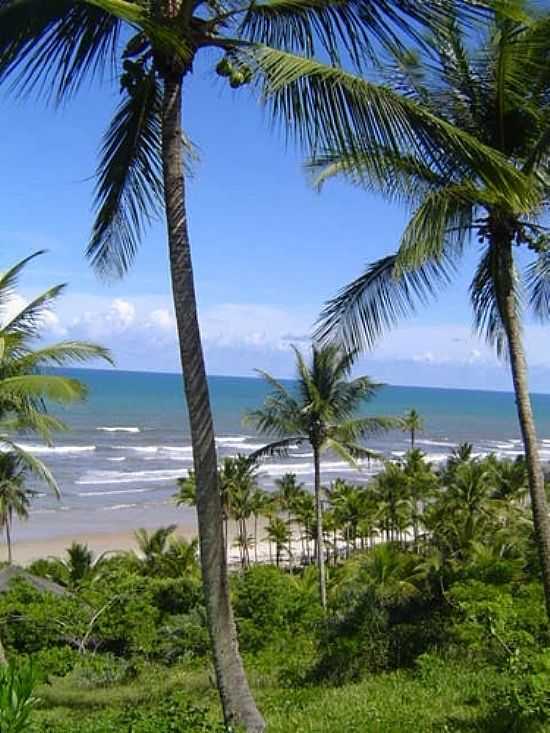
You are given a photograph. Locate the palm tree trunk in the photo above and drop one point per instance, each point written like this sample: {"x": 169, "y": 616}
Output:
{"x": 518, "y": 364}
{"x": 8, "y": 540}
{"x": 255, "y": 539}
{"x": 290, "y": 557}
{"x": 319, "y": 516}
{"x": 239, "y": 707}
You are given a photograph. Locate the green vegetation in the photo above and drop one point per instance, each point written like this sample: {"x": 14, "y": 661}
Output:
{"x": 441, "y": 628}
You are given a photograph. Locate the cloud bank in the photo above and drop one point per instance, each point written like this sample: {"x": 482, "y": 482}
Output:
{"x": 240, "y": 337}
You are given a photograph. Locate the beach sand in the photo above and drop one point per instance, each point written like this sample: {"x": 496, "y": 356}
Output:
{"x": 28, "y": 550}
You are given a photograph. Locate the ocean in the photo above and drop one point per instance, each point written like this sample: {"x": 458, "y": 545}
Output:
{"x": 129, "y": 442}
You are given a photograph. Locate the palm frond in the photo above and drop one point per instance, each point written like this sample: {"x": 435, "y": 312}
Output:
{"x": 441, "y": 224}
{"x": 34, "y": 464}
{"x": 277, "y": 448}
{"x": 326, "y": 108}
{"x": 61, "y": 353}
{"x": 129, "y": 190}
{"x": 344, "y": 29}
{"x": 43, "y": 386}
{"x": 378, "y": 299}
{"x": 28, "y": 319}
{"x": 9, "y": 280}
{"x": 54, "y": 47}
{"x": 484, "y": 295}
{"x": 400, "y": 178}
{"x": 537, "y": 282}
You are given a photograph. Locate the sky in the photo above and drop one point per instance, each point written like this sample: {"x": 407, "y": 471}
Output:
{"x": 268, "y": 249}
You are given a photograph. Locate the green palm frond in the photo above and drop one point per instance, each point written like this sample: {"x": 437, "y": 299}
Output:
{"x": 377, "y": 300}
{"x": 9, "y": 280}
{"x": 346, "y": 29}
{"x": 129, "y": 189}
{"x": 61, "y": 353}
{"x": 277, "y": 447}
{"x": 442, "y": 223}
{"x": 401, "y": 179}
{"x": 43, "y": 386}
{"x": 484, "y": 296}
{"x": 326, "y": 108}
{"x": 34, "y": 465}
{"x": 350, "y": 431}
{"x": 54, "y": 47}
{"x": 537, "y": 283}
{"x": 28, "y": 319}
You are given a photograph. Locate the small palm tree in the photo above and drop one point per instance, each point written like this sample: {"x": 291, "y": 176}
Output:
{"x": 80, "y": 566}
{"x": 320, "y": 410}
{"x": 498, "y": 93}
{"x": 288, "y": 494}
{"x": 412, "y": 423}
{"x": 152, "y": 546}
{"x": 15, "y": 496}
{"x": 278, "y": 533}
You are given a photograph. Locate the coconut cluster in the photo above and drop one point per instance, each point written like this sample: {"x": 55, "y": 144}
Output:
{"x": 237, "y": 74}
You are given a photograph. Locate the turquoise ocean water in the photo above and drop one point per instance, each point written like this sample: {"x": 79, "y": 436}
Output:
{"x": 129, "y": 442}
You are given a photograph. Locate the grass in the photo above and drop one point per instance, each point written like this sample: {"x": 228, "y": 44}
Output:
{"x": 447, "y": 698}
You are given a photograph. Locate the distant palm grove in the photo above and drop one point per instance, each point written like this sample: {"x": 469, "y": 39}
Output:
{"x": 412, "y": 597}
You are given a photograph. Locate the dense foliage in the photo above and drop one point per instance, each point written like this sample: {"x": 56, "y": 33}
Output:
{"x": 432, "y": 577}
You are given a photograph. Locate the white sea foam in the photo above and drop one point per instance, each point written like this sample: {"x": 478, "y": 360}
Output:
{"x": 118, "y": 506}
{"x": 113, "y": 493}
{"x": 117, "y": 429}
{"x": 117, "y": 460}
{"x": 442, "y": 443}
{"x": 59, "y": 449}
{"x": 99, "y": 478}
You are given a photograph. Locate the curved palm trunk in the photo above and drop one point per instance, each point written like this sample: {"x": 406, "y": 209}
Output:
{"x": 238, "y": 704}
{"x": 319, "y": 516}
{"x": 518, "y": 364}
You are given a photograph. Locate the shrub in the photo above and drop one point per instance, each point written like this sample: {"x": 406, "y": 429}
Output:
{"x": 270, "y": 605}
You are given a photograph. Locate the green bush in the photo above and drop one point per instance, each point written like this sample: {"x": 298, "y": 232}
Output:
{"x": 271, "y": 605}
{"x": 56, "y": 661}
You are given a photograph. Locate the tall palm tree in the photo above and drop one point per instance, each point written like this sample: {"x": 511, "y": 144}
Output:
{"x": 412, "y": 423}
{"x": 320, "y": 410}
{"x": 52, "y": 46}
{"x": 499, "y": 93}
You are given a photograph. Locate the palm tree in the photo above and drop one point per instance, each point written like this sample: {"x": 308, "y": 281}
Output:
{"x": 80, "y": 566}
{"x": 63, "y": 45}
{"x": 499, "y": 94}
{"x": 288, "y": 494}
{"x": 152, "y": 546}
{"x": 278, "y": 533}
{"x": 421, "y": 483}
{"x": 262, "y": 503}
{"x": 320, "y": 411}
{"x": 412, "y": 423}
{"x": 15, "y": 496}
{"x": 305, "y": 513}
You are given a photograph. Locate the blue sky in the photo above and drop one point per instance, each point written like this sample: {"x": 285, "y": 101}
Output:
{"x": 268, "y": 249}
